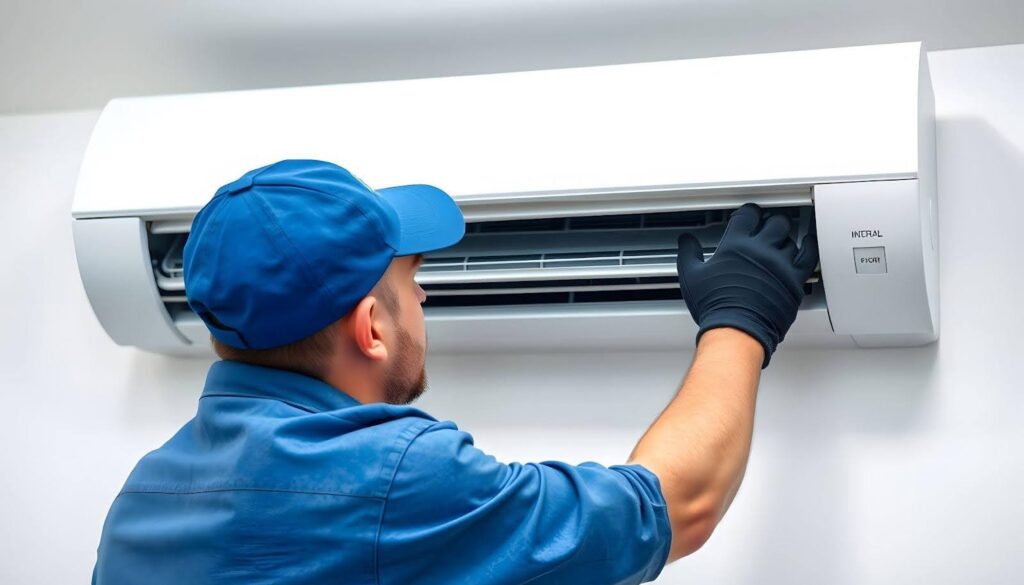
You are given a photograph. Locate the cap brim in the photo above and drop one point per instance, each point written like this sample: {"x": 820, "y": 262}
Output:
{"x": 428, "y": 218}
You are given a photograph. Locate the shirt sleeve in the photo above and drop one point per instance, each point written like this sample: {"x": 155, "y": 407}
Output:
{"x": 456, "y": 515}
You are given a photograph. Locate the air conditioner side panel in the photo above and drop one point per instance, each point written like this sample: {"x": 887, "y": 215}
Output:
{"x": 928, "y": 186}
{"x": 113, "y": 259}
{"x": 878, "y": 263}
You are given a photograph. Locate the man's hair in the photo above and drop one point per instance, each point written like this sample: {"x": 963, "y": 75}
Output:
{"x": 310, "y": 355}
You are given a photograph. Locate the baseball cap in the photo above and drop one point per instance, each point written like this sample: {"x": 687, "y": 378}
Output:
{"x": 289, "y": 248}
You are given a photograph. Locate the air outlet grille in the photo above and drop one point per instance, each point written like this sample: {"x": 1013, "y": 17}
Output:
{"x": 676, "y": 219}
{"x": 558, "y": 260}
{"x": 567, "y": 260}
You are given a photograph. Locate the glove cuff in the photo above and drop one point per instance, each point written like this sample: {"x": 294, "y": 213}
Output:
{"x": 745, "y": 322}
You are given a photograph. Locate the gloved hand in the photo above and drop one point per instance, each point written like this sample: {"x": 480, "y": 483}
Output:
{"x": 754, "y": 281}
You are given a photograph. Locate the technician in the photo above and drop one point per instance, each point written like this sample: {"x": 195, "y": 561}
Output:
{"x": 305, "y": 465}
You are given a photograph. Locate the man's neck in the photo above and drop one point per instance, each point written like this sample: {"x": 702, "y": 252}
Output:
{"x": 358, "y": 386}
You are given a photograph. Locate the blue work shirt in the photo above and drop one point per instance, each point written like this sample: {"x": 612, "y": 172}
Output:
{"x": 281, "y": 478}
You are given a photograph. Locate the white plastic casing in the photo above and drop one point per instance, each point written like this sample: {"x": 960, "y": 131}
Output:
{"x": 850, "y": 129}
{"x": 900, "y": 305}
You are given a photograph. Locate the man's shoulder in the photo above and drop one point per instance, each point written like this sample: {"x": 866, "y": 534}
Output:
{"x": 442, "y": 464}
{"x": 350, "y": 451}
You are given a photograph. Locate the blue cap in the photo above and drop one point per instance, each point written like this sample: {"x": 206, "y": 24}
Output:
{"x": 290, "y": 248}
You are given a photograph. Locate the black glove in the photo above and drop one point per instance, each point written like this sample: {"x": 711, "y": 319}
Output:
{"x": 754, "y": 281}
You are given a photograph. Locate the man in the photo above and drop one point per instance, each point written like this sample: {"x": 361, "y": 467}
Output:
{"x": 303, "y": 464}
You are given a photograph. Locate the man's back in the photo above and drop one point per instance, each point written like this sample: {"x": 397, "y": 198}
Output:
{"x": 250, "y": 468}
{"x": 281, "y": 478}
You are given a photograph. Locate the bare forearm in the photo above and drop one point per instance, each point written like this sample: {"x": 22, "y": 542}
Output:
{"x": 699, "y": 445}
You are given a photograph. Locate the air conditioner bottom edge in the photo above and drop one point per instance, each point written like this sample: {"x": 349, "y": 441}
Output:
{"x": 594, "y": 327}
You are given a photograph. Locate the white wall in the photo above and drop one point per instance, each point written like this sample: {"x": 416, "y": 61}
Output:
{"x": 69, "y": 54}
{"x": 882, "y": 466}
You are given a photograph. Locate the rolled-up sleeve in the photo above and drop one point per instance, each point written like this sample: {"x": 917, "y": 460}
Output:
{"x": 456, "y": 515}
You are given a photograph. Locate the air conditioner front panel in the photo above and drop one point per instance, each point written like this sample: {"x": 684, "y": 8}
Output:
{"x": 782, "y": 119}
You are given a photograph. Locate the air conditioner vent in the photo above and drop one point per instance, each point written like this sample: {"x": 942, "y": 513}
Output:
{"x": 571, "y": 260}
{"x": 676, "y": 219}
{"x": 557, "y": 260}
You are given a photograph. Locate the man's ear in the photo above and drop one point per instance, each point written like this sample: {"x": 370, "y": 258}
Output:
{"x": 364, "y": 327}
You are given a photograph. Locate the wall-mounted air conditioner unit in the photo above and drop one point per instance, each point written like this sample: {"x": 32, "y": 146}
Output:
{"x": 575, "y": 182}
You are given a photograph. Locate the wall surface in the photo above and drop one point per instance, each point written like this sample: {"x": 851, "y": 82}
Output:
{"x": 69, "y": 54}
{"x": 869, "y": 466}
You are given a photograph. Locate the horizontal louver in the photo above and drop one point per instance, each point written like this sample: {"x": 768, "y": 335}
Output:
{"x": 558, "y": 260}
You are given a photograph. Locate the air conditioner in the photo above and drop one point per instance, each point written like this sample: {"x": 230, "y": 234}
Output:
{"x": 575, "y": 184}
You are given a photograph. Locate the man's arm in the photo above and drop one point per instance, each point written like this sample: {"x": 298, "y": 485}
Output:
{"x": 744, "y": 300}
{"x": 699, "y": 445}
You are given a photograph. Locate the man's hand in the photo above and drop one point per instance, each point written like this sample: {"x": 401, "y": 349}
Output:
{"x": 754, "y": 282}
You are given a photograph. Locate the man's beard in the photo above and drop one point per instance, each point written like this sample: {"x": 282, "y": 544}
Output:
{"x": 403, "y": 384}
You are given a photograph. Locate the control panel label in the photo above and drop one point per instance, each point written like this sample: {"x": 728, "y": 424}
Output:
{"x": 866, "y": 234}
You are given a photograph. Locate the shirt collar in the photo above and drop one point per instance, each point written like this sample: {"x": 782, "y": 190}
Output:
{"x": 231, "y": 378}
